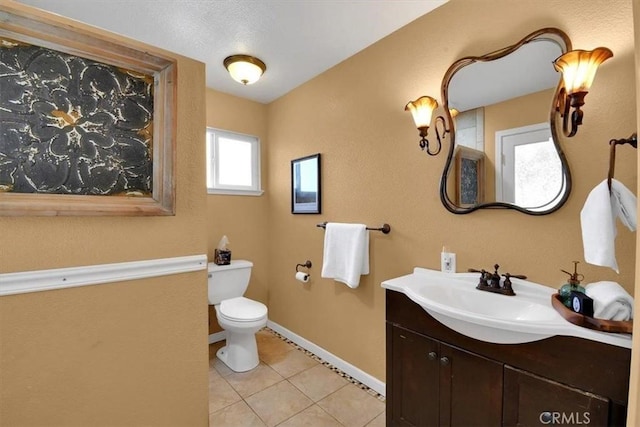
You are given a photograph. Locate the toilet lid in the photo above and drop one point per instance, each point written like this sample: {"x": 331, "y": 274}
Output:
{"x": 242, "y": 309}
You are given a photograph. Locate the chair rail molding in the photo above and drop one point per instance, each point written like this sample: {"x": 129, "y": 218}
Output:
{"x": 60, "y": 278}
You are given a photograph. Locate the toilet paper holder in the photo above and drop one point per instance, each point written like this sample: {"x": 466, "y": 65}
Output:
{"x": 305, "y": 265}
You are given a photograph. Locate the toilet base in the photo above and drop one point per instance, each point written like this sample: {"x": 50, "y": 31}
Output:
{"x": 241, "y": 352}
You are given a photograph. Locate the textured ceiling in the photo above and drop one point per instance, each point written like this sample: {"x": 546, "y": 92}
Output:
{"x": 297, "y": 39}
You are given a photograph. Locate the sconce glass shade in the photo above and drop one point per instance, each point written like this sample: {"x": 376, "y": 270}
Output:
{"x": 578, "y": 68}
{"x": 453, "y": 112}
{"x": 244, "y": 69}
{"x": 422, "y": 110}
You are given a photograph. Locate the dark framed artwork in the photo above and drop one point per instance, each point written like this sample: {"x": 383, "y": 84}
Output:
{"x": 305, "y": 185}
{"x": 86, "y": 122}
{"x": 469, "y": 170}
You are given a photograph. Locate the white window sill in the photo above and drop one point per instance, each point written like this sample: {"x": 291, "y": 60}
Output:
{"x": 235, "y": 192}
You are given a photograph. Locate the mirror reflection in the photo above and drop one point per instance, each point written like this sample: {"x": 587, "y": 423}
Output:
{"x": 504, "y": 150}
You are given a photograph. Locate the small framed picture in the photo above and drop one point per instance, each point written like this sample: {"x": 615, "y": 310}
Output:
{"x": 469, "y": 169}
{"x": 305, "y": 185}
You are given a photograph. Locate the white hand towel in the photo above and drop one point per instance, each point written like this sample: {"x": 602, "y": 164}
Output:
{"x": 598, "y": 218}
{"x": 346, "y": 253}
{"x": 625, "y": 204}
{"x": 610, "y": 301}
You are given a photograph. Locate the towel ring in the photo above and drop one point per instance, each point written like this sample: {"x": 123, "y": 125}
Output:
{"x": 632, "y": 140}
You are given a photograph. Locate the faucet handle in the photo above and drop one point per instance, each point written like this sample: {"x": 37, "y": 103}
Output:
{"x": 506, "y": 286}
{"x": 484, "y": 275}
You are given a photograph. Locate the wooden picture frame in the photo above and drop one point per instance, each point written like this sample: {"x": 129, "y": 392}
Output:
{"x": 106, "y": 146}
{"x": 306, "y": 193}
{"x": 469, "y": 172}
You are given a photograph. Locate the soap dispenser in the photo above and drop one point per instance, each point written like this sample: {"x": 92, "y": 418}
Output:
{"x": 572, "y": 285}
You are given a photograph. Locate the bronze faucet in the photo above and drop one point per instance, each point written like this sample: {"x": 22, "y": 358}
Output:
{"x": 491, "y": 281}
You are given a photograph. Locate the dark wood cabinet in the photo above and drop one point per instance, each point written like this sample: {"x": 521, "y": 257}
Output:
{"x": 416, "y": 379}
{"x": 531, "y": 400}
{"x": 432, "y": 384}
{"x": 438, "y": 377}
{"x": 471, "y": 389}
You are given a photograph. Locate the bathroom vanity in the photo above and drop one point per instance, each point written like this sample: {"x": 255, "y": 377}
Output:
{"x": 439, "y": 377}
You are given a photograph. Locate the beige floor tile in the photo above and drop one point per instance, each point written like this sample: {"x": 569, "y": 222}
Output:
{"x": 221, "y": 394}
{"x": 292, "y": 363}
{"x": 278, "y": 402}
{"x": 318, "y": 382}
{"x": 248, "y": 383}
{"x": 352, "y": 406}
{"x": 272, "y": 349}
{"x": 216, "y": 363}
{"x": 379, "y": 421}
{"x": 313, "y": 416}
{"x": 238, "y": 414}
{"x": 220, "y": 367}
{"x": 213, "y": 373}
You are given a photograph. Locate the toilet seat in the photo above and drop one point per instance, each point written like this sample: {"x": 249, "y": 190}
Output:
{"x": 242, "y": 309}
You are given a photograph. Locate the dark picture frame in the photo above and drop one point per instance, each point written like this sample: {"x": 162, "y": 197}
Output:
{"x": 94, "y": 134}
{"x": 306, "y": 193}
{"x": 469, "y": 170}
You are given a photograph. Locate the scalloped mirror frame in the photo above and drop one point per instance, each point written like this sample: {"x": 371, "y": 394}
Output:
{"x": 554, "y": 34}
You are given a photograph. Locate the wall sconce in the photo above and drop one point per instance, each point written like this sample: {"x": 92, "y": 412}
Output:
{"x": 422, "y": 111}
{"x": 578, "y": 68}
{"x": 244, "y": 69}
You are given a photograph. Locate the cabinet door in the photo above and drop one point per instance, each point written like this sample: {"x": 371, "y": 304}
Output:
{"x": 530, "y": 400}
{"x": 414, "y": 387}
{"x": 470, "y": 389}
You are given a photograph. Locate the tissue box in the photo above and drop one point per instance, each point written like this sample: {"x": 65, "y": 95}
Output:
{"x": 222, "y": 257}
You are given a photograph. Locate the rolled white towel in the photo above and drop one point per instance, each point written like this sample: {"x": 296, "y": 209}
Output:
{"x": 610, "y": 301}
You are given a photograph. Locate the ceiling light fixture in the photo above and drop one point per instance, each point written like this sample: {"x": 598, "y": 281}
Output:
{"x": 244, "y": 69}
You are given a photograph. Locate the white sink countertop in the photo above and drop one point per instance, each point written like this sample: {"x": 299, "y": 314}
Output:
{"x": 453, "y": 300}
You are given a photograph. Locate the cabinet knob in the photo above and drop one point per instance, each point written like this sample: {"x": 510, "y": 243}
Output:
{"x": 444, "y": 360}
{"x": 432, "y": 355}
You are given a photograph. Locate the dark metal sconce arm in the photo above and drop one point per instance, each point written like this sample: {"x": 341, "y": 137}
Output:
{"x": 424, "y": 142}
{"x": 565, "y": 103}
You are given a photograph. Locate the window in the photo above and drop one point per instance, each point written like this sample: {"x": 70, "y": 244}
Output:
{"x": 233, "y": 163}
{"x": 530, "y": 173}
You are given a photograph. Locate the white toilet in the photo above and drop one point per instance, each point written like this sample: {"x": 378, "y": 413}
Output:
{"x": 240, "y": 317}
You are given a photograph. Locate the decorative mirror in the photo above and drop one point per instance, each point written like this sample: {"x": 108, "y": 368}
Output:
{"x": 504, "y": 149}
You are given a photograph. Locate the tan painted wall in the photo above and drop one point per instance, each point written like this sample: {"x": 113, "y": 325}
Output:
{"x": 129, "y": 353}
{"x": 243, "y": 219}
{"x": 633, "y": 416}
{"x": 374, "y": 172}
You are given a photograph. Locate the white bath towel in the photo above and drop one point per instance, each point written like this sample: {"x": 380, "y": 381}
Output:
{"x": 346, "y": 253}
{"x": 598, "y": 220}
{"x": 610, "y": 301}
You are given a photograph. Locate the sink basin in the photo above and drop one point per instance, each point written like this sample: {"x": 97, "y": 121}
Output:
{"x": 528, "y": 316}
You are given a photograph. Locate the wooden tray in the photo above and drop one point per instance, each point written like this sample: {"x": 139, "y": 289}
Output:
{"x": 619, "y": 326}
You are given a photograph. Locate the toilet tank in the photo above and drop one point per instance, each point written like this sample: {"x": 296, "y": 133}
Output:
{"x": 228, "y": 281}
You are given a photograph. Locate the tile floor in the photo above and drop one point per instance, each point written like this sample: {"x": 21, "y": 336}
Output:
{"x": 289, "y": 388}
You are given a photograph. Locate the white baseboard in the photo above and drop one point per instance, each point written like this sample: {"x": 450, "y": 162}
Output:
{"x": 218, "y": 336}
{"x": 346, "y": 367}
{"x": 60, "y": 278}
